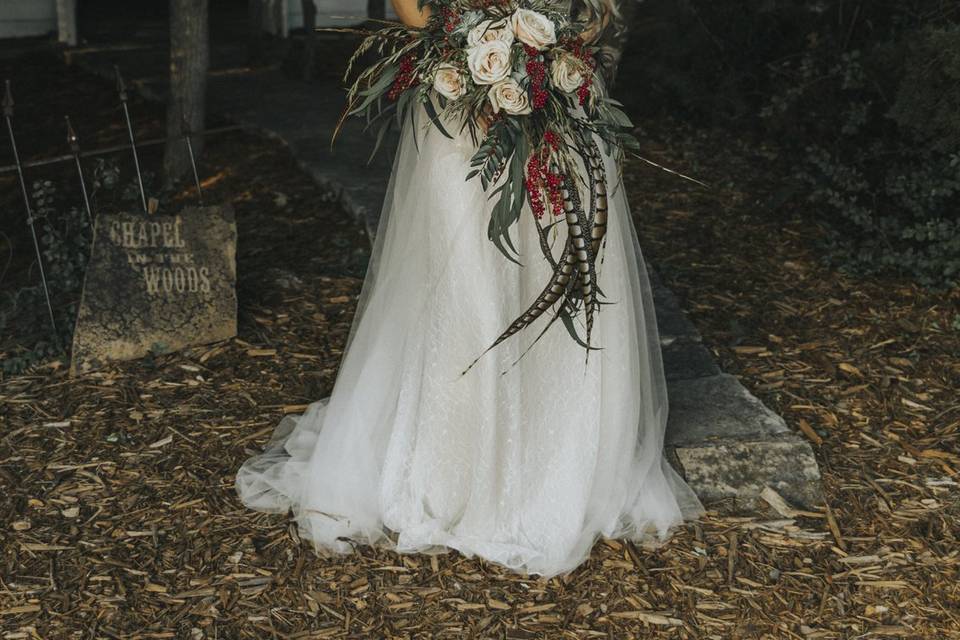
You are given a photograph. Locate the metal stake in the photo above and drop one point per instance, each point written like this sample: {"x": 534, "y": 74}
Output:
{"x": 185, "y": 129}
{"x": 8, "y": 117}
{"x": 122, "y": 90}
{"x": 75, "y": 148}
{"x": 93, "y": 153}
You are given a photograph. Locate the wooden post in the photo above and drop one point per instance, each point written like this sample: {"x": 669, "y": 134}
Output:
{"x": 67, "y": 22}
{"x": 189, "y": 64}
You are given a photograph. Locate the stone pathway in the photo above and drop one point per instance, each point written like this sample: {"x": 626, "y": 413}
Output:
{"x": 726, "y": 442}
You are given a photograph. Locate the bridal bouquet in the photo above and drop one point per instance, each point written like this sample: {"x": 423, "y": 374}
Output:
{"x": 520, "y": 77}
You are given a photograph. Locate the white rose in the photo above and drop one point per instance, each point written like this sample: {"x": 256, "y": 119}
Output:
{"x": 533, "y": 29}
{"x": 449, "y": 81}
{"x": 567, "y": 73}
{"x": 489, "y": 62}
{"x": 509, "y": 96}
{"x": 488, "y": 30}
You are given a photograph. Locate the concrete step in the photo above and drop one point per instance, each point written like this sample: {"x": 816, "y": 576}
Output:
{"x": 729, "y": 445}
{"x": 724, "y": 440}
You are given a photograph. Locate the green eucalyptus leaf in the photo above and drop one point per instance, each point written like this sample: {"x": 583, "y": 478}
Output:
{"x": 376, "y": 89}
{"x": 567, "y": 320}
{"x": 434, "y": 117}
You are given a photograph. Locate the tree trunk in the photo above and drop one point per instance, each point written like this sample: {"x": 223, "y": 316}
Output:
{"x": 309, "y": 39}
{"x": 189, "y": 63}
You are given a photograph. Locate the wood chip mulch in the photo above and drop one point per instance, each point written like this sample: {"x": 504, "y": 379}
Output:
{"x": 119, "y": 518}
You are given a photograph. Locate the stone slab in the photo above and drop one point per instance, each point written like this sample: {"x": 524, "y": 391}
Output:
{"x": 683, "y": 360}
{"x": 672, "y": 322}
{"x": 156, "y": 284}
{"x": 717, "y": 407}
{"x": 729, "y": 445}
{"x": 740, "y": 469}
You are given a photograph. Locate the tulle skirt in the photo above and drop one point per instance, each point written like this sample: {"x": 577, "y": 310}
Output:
{"x": 524, "y": 464}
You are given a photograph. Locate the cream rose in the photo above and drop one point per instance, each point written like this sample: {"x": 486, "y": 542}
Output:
{"x": 567, "y": 72}
{"x": 509, "y": 96}
{"x": 449, "y": 81}
{"x": 489, "y": 62}
{"x": 533, "y": 29}
{"x": 488, "y": 30}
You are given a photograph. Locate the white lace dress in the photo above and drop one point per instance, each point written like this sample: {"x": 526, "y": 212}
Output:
{"x": 525, "y": 468}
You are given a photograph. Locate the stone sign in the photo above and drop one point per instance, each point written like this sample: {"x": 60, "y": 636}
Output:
{"x": 156, "y": 283}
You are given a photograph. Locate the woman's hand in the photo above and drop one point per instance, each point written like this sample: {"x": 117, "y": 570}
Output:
{"x": 409, "y": 14}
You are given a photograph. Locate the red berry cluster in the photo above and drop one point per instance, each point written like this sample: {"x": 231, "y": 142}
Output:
{"x": 533, "y": 183}
{"x": 580, "y": 51}
{"x": 540, "y": 177}
{"x": 583, "y": 91}
{"x": 538, "y": 74}
{"x": 450, "y": 19}
{"x": 554, "y": 182}
{"x": 405, "y": 77}
{"x": 575, "y": 45}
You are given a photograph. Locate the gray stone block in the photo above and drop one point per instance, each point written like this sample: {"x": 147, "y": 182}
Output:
{"x": 704, "y": 409}
{"x": 740, "y": 469}
{"x": 672, "y": 322}
{"x": 729, "y": 445}
{"x": 683, "y": 360}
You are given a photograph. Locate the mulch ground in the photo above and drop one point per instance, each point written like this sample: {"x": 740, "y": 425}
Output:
{"x": 120, "y": 519}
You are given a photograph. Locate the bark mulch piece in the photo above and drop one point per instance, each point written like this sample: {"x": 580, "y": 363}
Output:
{"x": 867, "y": 369}
{"x": 120, "y": 519}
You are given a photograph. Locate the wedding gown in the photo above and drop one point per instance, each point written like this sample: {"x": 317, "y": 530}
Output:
{"x": 524, "y": 465}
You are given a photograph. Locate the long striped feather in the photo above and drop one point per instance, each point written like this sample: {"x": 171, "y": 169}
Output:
{"x": 555, "y": 289}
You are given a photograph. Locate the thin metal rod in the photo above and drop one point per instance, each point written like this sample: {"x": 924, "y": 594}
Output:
{"x": 93, "y": 153}
{"x": 122, "y": 90}
{"x": 75, "y": 148}
{"x": 8, "y": 117}
{"x": 185, "y": 127}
